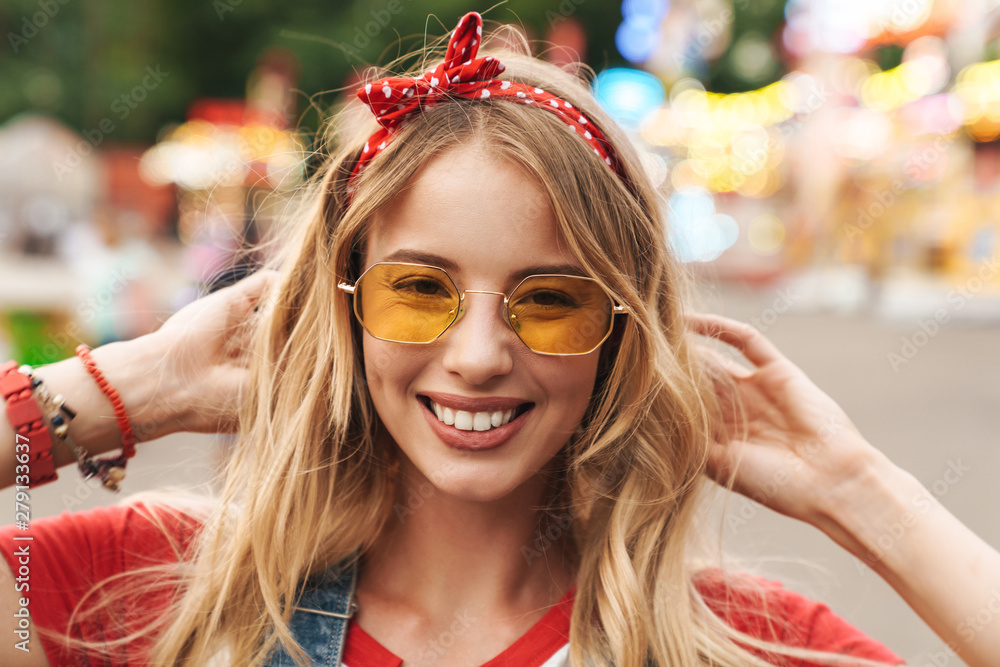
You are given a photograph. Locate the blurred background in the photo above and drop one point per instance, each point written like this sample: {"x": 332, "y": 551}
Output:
{"x": 833, "y": 169}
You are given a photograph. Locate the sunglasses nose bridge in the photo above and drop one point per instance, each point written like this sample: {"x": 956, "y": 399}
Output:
{"x": 461, "y": 309}
{"x": 482, "y": 291}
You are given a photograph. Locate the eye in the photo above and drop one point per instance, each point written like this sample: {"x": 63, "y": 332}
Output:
{"x": 548, "y": 298}
{"x": 422, "y": 286}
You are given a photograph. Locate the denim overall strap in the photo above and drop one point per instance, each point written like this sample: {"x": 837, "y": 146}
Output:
{"x": 319, "y": 622}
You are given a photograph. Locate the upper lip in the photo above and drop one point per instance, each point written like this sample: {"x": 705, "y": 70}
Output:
{"x": 483, "y": 404}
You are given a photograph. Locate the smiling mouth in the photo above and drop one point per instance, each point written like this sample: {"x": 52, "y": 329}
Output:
{"x": 464, "y": 420}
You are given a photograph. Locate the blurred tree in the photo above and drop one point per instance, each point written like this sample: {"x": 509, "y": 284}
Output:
{"x": 753, "y": 58}
{"x": 135, "y": 67}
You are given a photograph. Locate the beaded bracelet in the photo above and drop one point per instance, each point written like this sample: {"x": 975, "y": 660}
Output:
{"x": 22, "y": 389}
{"x": 61, "y": 415}
{"x": 110, "y": 470}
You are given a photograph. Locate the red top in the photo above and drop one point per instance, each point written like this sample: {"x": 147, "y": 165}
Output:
{"x": 71, "y": 552}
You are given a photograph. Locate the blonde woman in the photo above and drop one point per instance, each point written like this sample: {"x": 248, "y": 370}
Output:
{"x": 473, "y": 427}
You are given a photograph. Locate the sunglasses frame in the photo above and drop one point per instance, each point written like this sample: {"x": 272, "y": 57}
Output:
{"x": 351, "y": 288}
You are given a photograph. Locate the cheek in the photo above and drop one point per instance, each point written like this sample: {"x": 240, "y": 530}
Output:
{"x": 570, "y": 385}
{"x": 374, "y": 365}
{"x": 390, "y": 368}
{"x": 387, "y": 381}
{"x": 381, "y": 371}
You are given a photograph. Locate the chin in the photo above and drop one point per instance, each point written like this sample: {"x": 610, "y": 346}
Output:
{"x": 471, "y": 482}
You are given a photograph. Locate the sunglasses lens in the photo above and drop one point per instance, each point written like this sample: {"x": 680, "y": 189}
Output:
{"x": 406, "y": 303}
{"x": 561, "y": 314}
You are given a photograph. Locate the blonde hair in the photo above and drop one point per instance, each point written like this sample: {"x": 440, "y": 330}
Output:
{"x": 632, "y": 472}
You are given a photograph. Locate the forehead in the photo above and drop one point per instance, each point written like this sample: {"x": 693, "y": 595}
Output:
{"x": 487, "y": 215}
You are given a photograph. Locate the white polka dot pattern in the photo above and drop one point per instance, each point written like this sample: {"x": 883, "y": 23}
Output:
{"x": 468, "y": 77}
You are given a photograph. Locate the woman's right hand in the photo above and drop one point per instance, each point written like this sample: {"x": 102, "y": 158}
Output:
{"x": 204, "y": 354}
{"x": 186, "y": 376}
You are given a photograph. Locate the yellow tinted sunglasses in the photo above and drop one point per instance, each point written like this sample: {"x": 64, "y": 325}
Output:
{"x": 552, "y": 314}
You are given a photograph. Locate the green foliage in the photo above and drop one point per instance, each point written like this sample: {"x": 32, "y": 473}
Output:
{"x": 82, "y": 60}
{"x": 762, "y": 21}
{"x": 890, "y": 56}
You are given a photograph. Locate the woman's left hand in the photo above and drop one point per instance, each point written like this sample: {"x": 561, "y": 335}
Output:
{"x": 800, "y": 455}
{"x": 799, "y": 447}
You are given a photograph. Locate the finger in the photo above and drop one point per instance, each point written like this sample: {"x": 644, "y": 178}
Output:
{"x": 715, "y": 361}
{"x": 749, "y": 341}
{"x": 238, "y": 342}
{"x": 254, "y": 286}
{"x": 725, "y": 376}
{"x": 723, "y": 462}
{"x": 242, "y": 300}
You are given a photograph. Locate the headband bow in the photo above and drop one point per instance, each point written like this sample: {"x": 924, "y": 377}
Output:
{"x": 462, "y": 74}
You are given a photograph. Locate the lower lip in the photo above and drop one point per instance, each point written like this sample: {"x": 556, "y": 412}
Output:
{"x": 474, "y": 440}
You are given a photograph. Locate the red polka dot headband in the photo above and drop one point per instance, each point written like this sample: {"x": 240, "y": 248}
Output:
{"x": 463, "y": 75}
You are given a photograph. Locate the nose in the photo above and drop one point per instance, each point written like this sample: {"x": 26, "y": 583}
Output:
{"x": 478, "y": 343}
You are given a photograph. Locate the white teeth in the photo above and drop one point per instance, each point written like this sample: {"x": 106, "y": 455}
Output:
{"x": 463, "y": 420}
{"x": 471, "y": 421}
{"x": 481, "y": 421}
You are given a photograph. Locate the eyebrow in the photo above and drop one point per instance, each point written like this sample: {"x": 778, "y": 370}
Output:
{"x": 418, "y": 257}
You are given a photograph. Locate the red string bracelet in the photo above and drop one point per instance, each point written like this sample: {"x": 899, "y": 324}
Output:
{"x": 112, "y": 470}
